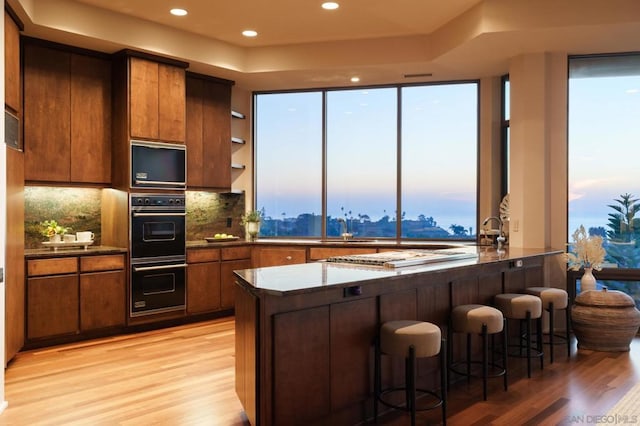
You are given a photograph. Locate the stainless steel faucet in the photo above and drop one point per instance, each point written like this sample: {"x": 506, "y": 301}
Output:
{"x": 501, "y": 238}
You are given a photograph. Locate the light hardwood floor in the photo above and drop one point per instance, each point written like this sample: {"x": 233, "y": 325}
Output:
{"x": 185, "y": 376}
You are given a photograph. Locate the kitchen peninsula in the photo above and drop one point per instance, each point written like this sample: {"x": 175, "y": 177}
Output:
{"x": 305, "y": 333}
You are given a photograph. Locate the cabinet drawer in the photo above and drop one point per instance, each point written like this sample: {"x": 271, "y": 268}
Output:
{"x": 61, "y": 265}
{"x": 280, "y": 256}
{"x": 203, "y": 255}
{"x": 234, "y": 253}
{"x": 101, "y": 263}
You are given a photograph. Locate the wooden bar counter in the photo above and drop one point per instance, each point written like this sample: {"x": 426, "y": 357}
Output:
{"x": 305, "y": 333}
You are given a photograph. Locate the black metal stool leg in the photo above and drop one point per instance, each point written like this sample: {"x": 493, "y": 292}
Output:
{"x": 505, "y": 355}
{"x": 568, "y": 323}
{"x": 377, "y": 385}
{"x": 411, "y": 384}
{"x": 539, "y": 344}
{"x": 528, "y": 326}
{"x": 449, "y": 350}
{"x": 551, "y": 331}
{"x": 443, "y": 379}
{"x": 485, "y": 360}
{"x": 468, "y": 358}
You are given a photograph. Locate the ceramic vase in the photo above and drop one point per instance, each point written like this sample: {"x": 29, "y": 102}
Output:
{"x": 588, "y": 281}
{"x": 252, "y": 229}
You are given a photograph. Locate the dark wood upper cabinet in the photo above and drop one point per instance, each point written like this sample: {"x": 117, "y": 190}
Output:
{"x": 47, "y": 112}
{"x": 208, "y": 132}
{"x": 157, "y": 100}
{"x": 171, "y": 109}
{"x": 67, "y": 116}
{"x": 11, "y": 64}
{"x": 90, "y": 119}
{"x": 143, "y": 98}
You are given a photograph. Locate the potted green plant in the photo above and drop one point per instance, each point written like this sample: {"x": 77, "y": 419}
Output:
{"x": 251, "y": 221}
{"x": 52, "y": 230}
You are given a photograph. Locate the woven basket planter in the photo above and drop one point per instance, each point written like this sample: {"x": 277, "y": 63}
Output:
{"x": 604, "y": 320}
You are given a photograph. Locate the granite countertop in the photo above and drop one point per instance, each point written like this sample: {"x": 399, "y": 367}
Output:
{"x": 333, "y": 243}
{"x": 306, "y": 277}
{"x": 71, "y": 251}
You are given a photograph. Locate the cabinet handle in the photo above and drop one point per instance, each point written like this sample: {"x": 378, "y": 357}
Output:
{"x": 288, "y": 258}
{"x": 159, "y": 267}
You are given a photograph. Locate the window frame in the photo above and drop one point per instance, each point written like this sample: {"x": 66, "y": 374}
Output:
{"x": 398, "y": 195}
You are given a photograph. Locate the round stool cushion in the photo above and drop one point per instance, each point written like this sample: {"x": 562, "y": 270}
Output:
{"x": 515, "y": 306}
{"x": 557, "y": 296}
{"x": 471, "y": 318}
{"x": 397, "y": 336}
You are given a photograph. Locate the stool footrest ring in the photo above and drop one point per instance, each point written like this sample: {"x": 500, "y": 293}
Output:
{"x": 436, "y": 404}
{"x": 501, "y": 371}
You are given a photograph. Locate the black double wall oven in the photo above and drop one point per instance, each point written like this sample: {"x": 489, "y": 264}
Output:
{"x": 158, "y": 254}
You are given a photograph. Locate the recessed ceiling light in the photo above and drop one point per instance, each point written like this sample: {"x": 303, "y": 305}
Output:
{"x": 355, "y": 79}
{"x": 249, "y": 33}
{"x": 330, "y": 5}
{"x": 178, "y": 12}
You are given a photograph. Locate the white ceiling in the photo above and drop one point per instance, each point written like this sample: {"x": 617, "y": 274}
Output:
{"x": 294, "y": 21}
{"x": 301, "y": 45}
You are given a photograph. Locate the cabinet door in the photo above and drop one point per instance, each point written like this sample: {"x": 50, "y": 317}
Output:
{"x": 52, "y": 306}
{"x": 143, "y": 98}
{"x": 203, "y": 287}
{"x": 277, "y": 256}
{"x": 195, "y": 158}
{"x": 171, "y": 107}
{"x": 353, "y": 330}
{"x": 90, "y": 119}
{"x": 227, "y": 280}
{"x": 216, "y": 135}
{"x": 47, "y": 110}
{"x": 11, "y": 64}
{"x": 102, "y": 300}
{"x": 301, "y": 367}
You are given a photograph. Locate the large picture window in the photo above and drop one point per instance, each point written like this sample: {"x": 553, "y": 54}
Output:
{"x": 439, "y": 161}
{"x": 380, "y": 162}
{"x": 604, "y": 178}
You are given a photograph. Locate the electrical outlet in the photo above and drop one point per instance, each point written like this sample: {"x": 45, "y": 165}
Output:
{"x": 516, "y": 225}
{"x": 228, "y": 222}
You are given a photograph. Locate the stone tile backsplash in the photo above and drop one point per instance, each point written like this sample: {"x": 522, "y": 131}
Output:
{"x": 80, "y": 209}
{"x": 75, "y": 208}
{"x": 211, "y": 213}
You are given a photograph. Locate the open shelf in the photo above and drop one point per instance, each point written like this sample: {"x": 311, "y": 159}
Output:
{"x": 236, "y": 114}
{"x": 239, "y": 141}
{"x": 237, "y": 166}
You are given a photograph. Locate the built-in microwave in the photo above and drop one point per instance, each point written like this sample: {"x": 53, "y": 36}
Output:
{"x": 158, "y": 165}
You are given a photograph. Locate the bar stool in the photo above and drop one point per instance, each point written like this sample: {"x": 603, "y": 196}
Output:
{"x": 524, "y": 307}
{"x": 483, "y": 320}
{"x": 554, "y": 299}
{"x": 410, "y": 340}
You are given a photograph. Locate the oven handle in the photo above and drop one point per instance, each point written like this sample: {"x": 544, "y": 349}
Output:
{"x": 162, "y": 183}
{"x": 137, "y": 214}
{"x": 157, "y": 268}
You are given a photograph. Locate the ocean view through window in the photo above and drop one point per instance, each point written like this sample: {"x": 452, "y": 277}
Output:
{"x": 380, "y": 162}
{"x": 604, "y": 178}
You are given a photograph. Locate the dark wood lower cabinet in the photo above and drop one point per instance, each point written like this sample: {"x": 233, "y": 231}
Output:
{"x": 203, "y": 289}
{"x": 353, "y": 331}
{"x": 227, "y": 280}
{"x": 102, "y": 300}
{"x": 52, "y": 306}
{"x": 301, "y": 346}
